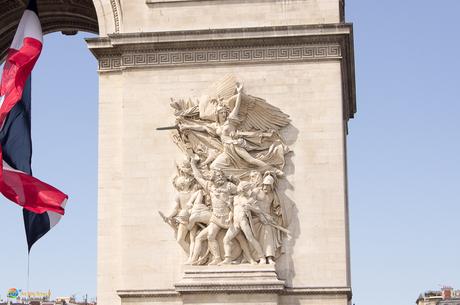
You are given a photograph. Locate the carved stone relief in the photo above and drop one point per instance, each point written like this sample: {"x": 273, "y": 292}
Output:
{"x": 227, "y": 210}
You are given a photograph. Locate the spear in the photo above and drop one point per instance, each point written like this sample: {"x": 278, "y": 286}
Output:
{"x": 167, "y": 220}
{"x": 168, "y": 127}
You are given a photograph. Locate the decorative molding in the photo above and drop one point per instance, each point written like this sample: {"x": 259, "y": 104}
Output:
{"x": 116, "y": 10}
{"x": 154, "y": 3}
{"x": 152, "y": 293}
{"x": 157, "y": 58}
{"x": 168, "y": 1}
{"x": 225, "y": 288}
{"x": 318, "y": 291}
{"x": 230, "y": 279}
{"x": 173, "y": 293}
{"x": 258, "y": 45}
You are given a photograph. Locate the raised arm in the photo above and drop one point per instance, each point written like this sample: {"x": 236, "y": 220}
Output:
{"x": 197, "y": 127}
{"x": 197, "y": 174}
{"x": 236, "y": 110}
{"x": 197, "y": 197}
{"x": 176, "y": 207}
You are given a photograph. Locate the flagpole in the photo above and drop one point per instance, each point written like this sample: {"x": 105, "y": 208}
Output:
{"x": 28, "y": 276}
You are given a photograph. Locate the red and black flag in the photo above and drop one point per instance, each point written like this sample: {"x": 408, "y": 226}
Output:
{"x": 43, "y": 205}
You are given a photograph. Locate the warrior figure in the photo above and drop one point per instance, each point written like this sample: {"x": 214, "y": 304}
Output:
{"x": 179, "y": 217}
{"x": 267, "y": 229}
{"x": 242, "y": 213}
{"x": 221, "y": 192}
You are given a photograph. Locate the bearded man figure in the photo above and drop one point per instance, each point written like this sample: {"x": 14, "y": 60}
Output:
{"x": 221, "y": 192}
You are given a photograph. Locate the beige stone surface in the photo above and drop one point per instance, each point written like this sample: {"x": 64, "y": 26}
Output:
{"x": 229, "y": 278}
{"x": 295, "y": 62}
{"x": 106, "y": 11}
{"x": 189, "y": 15}
{"x": 138, "y": 251}
{"x": 138, "y": 257}
{"x": 231, "y": 299}
{"x": 110, "y": 187}
{"x": 313, "y": 300}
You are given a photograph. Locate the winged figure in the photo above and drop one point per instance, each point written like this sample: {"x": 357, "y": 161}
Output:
{"x": 246, "y": 128}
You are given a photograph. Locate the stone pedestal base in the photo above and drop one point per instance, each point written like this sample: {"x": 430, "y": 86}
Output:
{"x": 230, "y": 279}
{"x": 235, "y": 285}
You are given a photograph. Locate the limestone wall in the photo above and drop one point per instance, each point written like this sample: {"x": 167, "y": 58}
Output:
{"x": 293, "y": 60}
{"x": 166, "y": 15}
{"x": 138, "y": 251}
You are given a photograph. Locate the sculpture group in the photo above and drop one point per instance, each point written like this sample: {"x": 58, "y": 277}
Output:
{"x": 227, "y": 209}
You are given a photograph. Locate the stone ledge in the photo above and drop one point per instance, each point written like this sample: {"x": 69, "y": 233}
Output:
{"x": 172, "y": 293}
{"x": 147, "y": 293}
{"x": 229, "y": 278}
{"x": 170, "y": 1}
{"x": 310, "y": 31}
{"x": 318, "y": 291}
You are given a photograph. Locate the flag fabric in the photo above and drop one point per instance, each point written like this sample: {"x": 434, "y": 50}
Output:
{"x": 21, "y": 58}
{"x": 43, "y": 205}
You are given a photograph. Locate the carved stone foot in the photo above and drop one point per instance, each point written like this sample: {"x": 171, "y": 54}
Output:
{"x": 271, "y": 261}
{"x": 226, "y": 261}
{"x": 262, "y": 261}
{"x": 215, "y": 261}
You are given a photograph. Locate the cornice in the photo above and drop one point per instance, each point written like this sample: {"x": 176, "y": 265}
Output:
{"x": 319, "y": 291}
{"x": 256, "y": 45}
{"x": 173, "y": 293}
{"x": 314, "y": 32}
{"x": 145, "y": 293}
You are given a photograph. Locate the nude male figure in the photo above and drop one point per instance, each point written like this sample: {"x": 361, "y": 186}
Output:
{"x": 242, "y": 211}
{"x": 221, "y": 192}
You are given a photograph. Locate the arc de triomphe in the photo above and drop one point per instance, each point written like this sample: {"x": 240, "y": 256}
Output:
{"x": 257, "y": 94}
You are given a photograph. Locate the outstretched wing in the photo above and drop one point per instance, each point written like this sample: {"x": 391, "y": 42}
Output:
{"x": 219, "y": 91}
{"x": 223, "y": 88}
{"x": 257, "y": 114}
{"x": 184, "y": 108}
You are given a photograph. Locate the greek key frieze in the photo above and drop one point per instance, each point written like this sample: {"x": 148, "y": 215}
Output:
{"x": 157, "y": 58}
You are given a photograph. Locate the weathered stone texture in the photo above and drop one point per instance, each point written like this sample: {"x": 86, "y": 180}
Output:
{"x": 189, "y": 15}
{"x": 314, "y": 188}
{"x": 110, "y": 186}
{"x": 138, "y": 255}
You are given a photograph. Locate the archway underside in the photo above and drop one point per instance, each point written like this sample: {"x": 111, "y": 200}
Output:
{"x": 67, "y": 16}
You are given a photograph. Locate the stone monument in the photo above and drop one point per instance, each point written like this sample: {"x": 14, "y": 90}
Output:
{"x": 222, "y": 146}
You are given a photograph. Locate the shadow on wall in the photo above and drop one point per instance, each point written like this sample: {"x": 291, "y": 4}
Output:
{"x": 285, "y": 265}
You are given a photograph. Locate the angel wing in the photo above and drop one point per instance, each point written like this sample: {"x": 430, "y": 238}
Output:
{"x": 184, "y": 108}
{"x": 257, "y": 114}
{"x": 224, "y": 88}
{"x": 219, "y": 91}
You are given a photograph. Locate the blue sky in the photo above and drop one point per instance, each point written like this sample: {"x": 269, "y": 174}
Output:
{"x": 403, "y": 150}
{"x": 403, "y": 158}
{"x": 64, "y": 131}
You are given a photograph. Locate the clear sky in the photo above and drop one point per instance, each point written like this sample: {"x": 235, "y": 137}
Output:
{"x": 403, "y": 158}
{"x": 64, "y": 132}
{"x": 404, "y": 149}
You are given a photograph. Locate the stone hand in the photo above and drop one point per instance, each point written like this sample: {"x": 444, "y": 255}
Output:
{"x": 229, "y": 218}
{"x": 239, "y": 87}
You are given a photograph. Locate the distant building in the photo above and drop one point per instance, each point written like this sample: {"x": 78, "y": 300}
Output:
{"x": 445, "y": 296}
